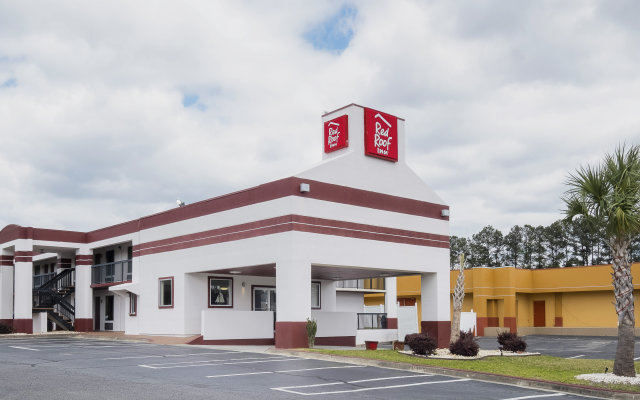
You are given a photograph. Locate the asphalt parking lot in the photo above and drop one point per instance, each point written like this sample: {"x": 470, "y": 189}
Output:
{"x": 76, "y": 368}
{"x": 594, "y": 347}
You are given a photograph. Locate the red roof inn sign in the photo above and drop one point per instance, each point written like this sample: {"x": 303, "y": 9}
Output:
{"x": 380, "y": 134}
{"x": 336, "y": 134}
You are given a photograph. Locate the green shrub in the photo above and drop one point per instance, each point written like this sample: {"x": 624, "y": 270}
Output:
{"x": 421, "y": 343}
{"x": 466, "y": 345}
{"x": 511, "y": 342}
{"x": 312, "y": 328}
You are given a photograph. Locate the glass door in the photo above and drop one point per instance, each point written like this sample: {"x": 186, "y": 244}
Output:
{"x": 264, "y": 299}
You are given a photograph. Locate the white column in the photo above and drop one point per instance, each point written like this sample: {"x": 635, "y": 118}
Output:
{"x": 391, "y": 297}
{"x": 435, "y": 306}
{"x": 23, "y": 278}
{"x": 6, "y": 287}
{"x": 293, "y": 302}
{"x": 84, "y": 292}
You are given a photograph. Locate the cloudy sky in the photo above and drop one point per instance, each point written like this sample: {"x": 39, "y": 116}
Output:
{"x": 113, "y": 110}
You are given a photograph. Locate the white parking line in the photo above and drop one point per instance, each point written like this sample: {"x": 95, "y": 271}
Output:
{"x": 23, "y": 348}
{"x": 188, "y": 364}
{"x": 168, "y": 355}
{"x": 535, "y": 396}
{"x": 288, "y": 388}
{"x": 569, "y": 358}
{"x": 284, "y": 370}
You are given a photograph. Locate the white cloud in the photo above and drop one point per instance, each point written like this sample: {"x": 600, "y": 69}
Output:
{"x": 501, "y": 99}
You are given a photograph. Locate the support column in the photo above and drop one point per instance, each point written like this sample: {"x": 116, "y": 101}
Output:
{"x": 435, "y": 307}
{"x": 293, "y": 305}
{"x": 23, "y": 287}
{"x": 391, "y": 302}
{"x": 6, "y": 289}
{"x": 84, "y": 292}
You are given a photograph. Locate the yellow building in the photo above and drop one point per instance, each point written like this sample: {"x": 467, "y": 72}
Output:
{"x": 554, "y": 301}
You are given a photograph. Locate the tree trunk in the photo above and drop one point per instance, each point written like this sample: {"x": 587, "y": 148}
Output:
{"x": 623, "y": 291}
{"x": 458, "y": 297}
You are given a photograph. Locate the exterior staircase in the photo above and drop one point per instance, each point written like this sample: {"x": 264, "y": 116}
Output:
{"x": 52, "y": 297}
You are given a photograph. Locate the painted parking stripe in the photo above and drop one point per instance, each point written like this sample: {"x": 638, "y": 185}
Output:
{"x": 536, "y": 396}
{"x": 289, "y": 389}
{"x": 254, "y": 360}
{"x": 23, "y": 348}
{"x": 569, "y": 358}
{"x": 284, "y": 371}
{"x": 169, "y": 355}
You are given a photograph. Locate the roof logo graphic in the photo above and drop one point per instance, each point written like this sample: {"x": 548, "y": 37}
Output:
{"x": 382, "y": 118}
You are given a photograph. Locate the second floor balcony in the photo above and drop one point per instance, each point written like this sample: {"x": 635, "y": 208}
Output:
{"x": 113, "y": 272}
{"x": 373, "y": 284}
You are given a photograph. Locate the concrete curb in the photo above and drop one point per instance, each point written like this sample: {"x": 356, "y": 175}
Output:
{"x": 481, "y": 376}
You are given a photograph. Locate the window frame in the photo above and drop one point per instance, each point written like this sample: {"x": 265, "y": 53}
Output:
{"x": 319, "y": 295}
{"x": 160, "y": 280}
{"x": 133, "y": 304}
{"x": 227, "y": 278}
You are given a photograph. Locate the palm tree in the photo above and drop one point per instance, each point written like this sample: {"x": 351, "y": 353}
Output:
{"x": 608, "y": 196}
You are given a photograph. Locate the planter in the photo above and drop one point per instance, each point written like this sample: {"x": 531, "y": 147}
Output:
{"x": 371, "y": 344}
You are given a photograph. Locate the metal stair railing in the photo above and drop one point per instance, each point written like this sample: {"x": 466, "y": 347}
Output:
{"x": 51, "y": 297}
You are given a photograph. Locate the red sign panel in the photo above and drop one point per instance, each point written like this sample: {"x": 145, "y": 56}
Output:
{"x": 336, "y": 134}
{"x": 380, "y": 135}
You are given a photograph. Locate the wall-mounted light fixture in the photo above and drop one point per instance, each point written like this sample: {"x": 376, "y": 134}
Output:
{"x": 444, "y": 213}
{"x": 243, "y": 284}
{"x": 305, "y": 188}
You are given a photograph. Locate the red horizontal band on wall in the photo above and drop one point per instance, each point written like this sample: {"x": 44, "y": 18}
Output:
{"x": 84, "y": 259}
{"x": 23, "y": 256}
{"x": 258, "y": 194}
{"x": 288, "y": 223}
{"x": 6, "y": 261}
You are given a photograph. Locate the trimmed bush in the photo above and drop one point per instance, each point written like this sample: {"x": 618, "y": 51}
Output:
{"x": 466, "y": 345}
{"x": 421, "y": 343}
{"x": 511, "y": 342}
{"x": 5, "y": 329}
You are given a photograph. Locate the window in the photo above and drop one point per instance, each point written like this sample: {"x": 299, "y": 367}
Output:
{"x": 315, "y": 294}
{"x": 133, "y": 304}
{"x": 264, "y": 298}
{"x": 165, "y": 292}
{"x": 220, "y": 292}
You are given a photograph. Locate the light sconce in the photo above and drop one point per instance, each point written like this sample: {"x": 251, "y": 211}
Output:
{"x": 243, "y": 284}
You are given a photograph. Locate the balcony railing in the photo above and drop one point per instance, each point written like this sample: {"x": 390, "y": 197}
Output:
{"x": 39, "y": 280}
{"x": 364, "y": 284}
{"x": 119, "y": 271}
{"x": 372, "y": 320}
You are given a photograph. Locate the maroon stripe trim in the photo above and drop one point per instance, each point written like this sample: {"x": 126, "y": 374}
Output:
{"x": 6, "y": 261}
{"x": 288, "y": 223}
{"x": 259, "y": 194}
{"x": 23, "y": 256}
{"x": 84, "y": 259}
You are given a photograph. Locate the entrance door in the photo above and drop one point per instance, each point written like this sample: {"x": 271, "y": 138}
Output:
{"x": 108, "y": 313}
{"x": 96, "y": 313}
{"x": 264, "y": 299}
{"x": 538, "y": 313}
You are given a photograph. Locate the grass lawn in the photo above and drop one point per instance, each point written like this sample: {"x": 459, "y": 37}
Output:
{"x": 553, "y": 369}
